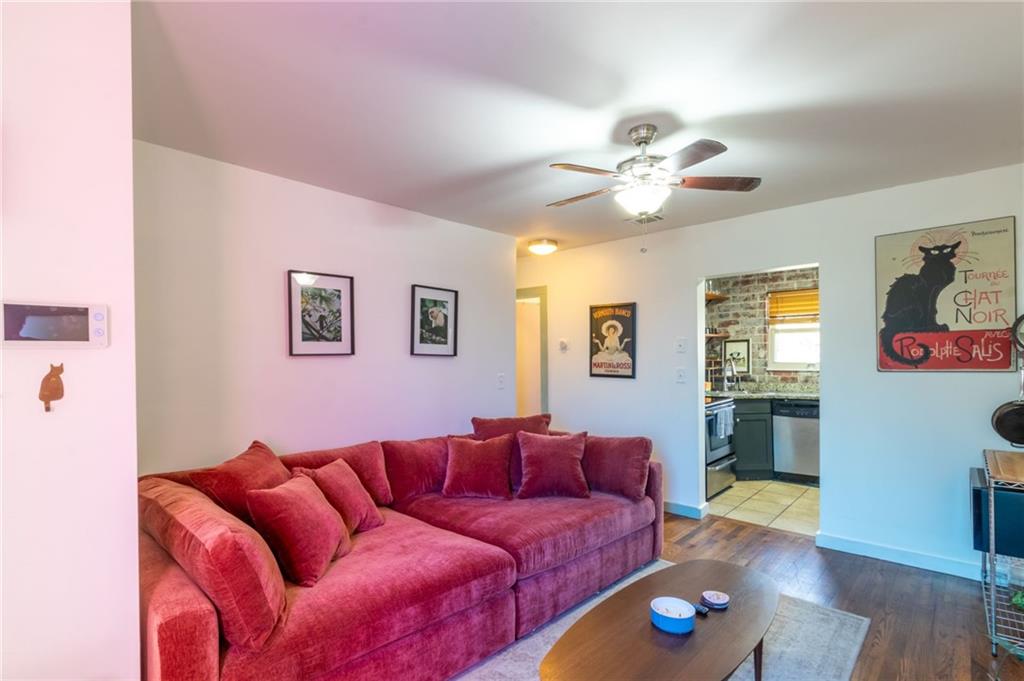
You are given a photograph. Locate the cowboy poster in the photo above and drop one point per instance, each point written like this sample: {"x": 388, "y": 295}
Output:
{"x": 945, "y": 297}
{"x": 613, "y": 340}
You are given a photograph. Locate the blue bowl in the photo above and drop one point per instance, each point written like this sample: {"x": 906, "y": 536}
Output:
{"x": 672, "y": 615}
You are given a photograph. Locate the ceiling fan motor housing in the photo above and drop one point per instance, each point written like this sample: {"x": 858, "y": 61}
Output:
{"x": 643, "y": 133}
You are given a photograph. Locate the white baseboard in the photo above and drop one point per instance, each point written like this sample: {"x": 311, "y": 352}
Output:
{"x": 695, "y": 512}
{"x": 893, "y": 554}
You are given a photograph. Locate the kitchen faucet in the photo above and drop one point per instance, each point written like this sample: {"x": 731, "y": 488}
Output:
{"x": 729, "y": 369}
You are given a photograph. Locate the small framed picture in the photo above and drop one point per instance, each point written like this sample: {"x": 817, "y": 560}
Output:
{"x": 435, "y": 321}
{"x": 613, "y": 340}
{"x": 739, "y": 352}
{"x": 320, "y": 314}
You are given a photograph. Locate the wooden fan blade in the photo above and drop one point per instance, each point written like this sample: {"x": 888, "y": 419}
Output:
{"x": 690, "y": 155}
{"x": 726, "y": 184}
{"x": 574, "y": 199}
{"x": 584, "y": 169}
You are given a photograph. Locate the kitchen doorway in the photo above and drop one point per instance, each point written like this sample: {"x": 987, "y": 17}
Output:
{"x": 762, "y": 367}
{"x": 531, "y": 350}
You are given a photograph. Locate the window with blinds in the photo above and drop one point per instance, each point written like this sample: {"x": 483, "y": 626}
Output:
{"x": 787, "y": 307}
{"x": 794, "y": 331}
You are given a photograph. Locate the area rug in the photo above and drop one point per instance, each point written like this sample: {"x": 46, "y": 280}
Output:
{"x": 806, "y": 642}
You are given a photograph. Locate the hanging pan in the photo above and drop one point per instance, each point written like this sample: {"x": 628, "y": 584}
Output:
{"x": 1008, "y": 418}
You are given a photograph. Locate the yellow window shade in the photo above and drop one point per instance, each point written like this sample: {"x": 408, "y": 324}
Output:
{"x": 793, "y": 306}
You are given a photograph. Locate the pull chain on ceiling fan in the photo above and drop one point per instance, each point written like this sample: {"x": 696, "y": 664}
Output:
{"x": 648, "y": 179}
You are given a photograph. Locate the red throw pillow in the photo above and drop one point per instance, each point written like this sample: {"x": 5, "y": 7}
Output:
{"x": 415, "y": 467}
{"x": 478, "y": 468}
{"x": 346, "y": 494}
{"x": 618, "y": 465}
{"x": 301, "y": 526}
{"x": 224, "y": 556}
{"x": 552, "y": 466}
{"x": 485, "y": 429}
{"x": 228, "y": 483}
{"x": 366, "y": 459}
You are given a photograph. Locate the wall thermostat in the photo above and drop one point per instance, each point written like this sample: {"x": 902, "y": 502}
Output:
{"x": 55, "y": 326}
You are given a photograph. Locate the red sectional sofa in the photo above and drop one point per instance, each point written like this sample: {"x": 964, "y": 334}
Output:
{"x": 441, "y": 585}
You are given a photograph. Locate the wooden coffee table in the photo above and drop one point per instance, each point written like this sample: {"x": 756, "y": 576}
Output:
{"x": 617, "y": 642}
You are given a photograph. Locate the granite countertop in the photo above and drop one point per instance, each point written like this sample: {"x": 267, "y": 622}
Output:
{"x": 761, "y": 396}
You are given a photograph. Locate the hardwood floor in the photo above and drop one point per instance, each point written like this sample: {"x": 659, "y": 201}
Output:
{"x": 925, "y": 626}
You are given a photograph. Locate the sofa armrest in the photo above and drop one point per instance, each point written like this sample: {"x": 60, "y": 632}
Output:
{"x": 655, "y": 490}
{"x": 180, "y": 633}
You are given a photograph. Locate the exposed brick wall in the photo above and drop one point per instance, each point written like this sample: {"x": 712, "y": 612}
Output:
{"x": 743, "y": 315}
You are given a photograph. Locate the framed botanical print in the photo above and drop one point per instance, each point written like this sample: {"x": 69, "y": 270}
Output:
{"x": 613, "y": 340}
{"x": 738, "y": 350}
{"x": 435, "y": 321}
{"x": 946, "y": 297}
{"x": 320, "y": 314}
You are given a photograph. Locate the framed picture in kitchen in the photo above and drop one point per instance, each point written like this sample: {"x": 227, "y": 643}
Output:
{"x": 946, "y": 297}
{"x": 613, "y": 340}
{"x": 739, "y": 352}
{"x": 435, "y": 321}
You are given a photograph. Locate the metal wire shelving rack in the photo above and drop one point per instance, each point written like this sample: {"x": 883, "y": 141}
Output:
{"x": 1003, "y": 471}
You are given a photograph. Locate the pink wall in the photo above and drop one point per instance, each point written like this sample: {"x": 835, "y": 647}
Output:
{"x": 213, "y": 243}
{"x": 69, "y": 511}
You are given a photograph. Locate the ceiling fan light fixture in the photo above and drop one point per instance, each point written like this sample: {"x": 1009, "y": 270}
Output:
{"x": 643, "y": 199}
{"x": 542, "y": 246}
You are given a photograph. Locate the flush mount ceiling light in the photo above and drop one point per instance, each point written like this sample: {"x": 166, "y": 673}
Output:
{"x": 648, "y": 179}
{"x": 542, "y": 246}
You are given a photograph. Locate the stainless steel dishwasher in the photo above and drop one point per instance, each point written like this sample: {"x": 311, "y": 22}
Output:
{"x": 795, "y": 437}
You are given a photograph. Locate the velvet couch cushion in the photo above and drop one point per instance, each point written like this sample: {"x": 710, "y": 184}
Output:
{"x": 227, "y": 484}
{"x": 227, "y": 559}
{"x": 346, "y": 494}
{"x": 539, "y": 533}
{"x": 478, "y": 468}
{"x": 618, "y": 465}
{"x": 366, "y": 459}
{"x": 552, "y": 465}
{"x": 179, "y": 630}
{"x": 486, "y": 428}
{"x": 398, "y": 578}
{"x": 415, "y": 467}
{"x": 301, "y": 526}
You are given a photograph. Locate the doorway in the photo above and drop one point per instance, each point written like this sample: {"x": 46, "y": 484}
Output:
{"x": 762, "y": 366}
{"x": 531, "y": 350}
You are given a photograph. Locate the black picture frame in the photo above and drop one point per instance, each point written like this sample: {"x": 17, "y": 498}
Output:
{"x": 741, "y": 342}
{"x": 625, "y": 315}
{"x": 297, "y": 346}
{"x": 418, "y": 332}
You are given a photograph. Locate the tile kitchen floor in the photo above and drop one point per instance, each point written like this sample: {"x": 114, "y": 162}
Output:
{"x": 782, "y": 505}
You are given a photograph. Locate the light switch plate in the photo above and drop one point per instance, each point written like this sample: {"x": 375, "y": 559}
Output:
{"x": 680, "y": 375}
{"x": 681, "y": 344}
{"x": 501, "y": 381}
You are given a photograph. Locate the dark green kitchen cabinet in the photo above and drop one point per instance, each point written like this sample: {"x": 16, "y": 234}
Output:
{"x": 752, "y": 438}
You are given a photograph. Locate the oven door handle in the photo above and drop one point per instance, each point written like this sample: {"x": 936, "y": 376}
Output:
{"x": 723, "y": 464}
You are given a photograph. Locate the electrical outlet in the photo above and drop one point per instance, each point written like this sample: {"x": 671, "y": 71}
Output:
{"x": 501, "y": 381}
{"x": 680, "y": 344}
{"x": 680, "y": 375}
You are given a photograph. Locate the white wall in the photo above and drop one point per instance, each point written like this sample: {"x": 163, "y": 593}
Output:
{"x": 70, "y": 582}
{"x": 895, "y": 447}
{"x": 213, "y": 244}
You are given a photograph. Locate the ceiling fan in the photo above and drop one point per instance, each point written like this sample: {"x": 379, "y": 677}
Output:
{"x": 648, "y": 179}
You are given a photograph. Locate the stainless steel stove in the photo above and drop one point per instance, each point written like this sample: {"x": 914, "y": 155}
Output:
{"x": 719, "y": 452}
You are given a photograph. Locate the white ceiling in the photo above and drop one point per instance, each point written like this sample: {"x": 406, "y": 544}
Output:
{"x": 456, "y": 110}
